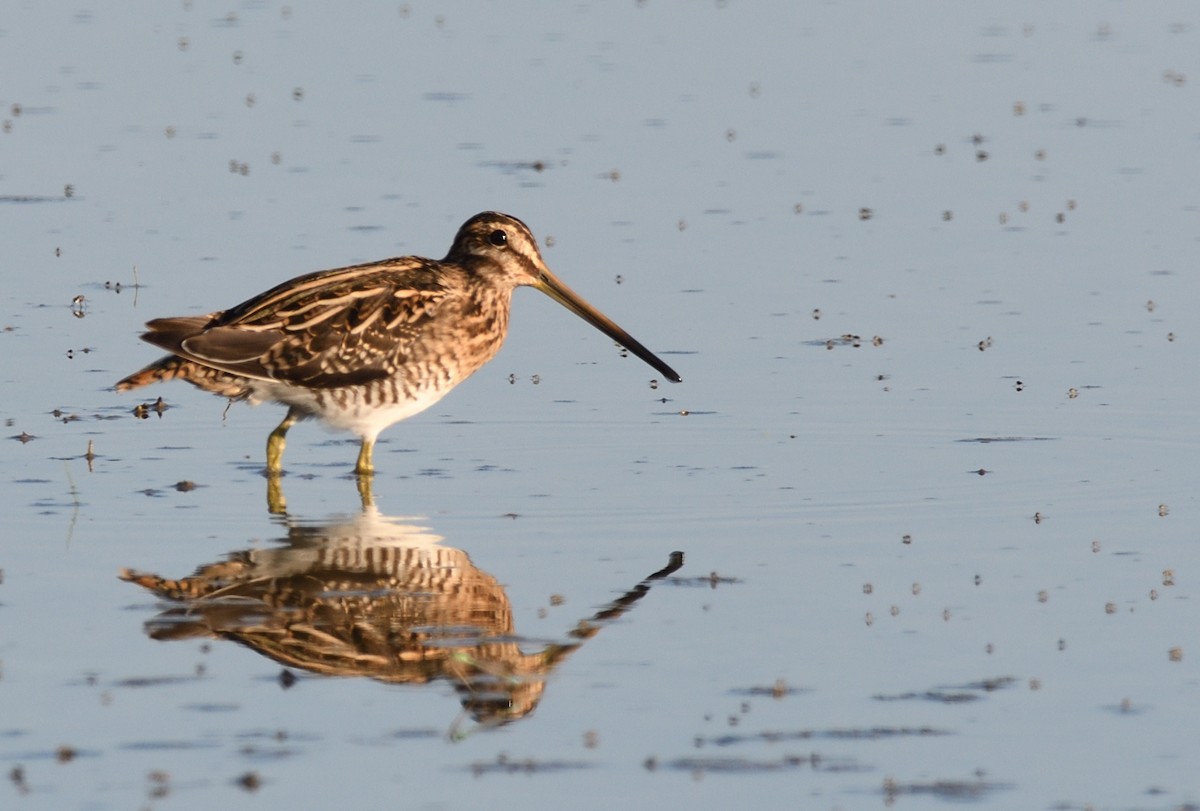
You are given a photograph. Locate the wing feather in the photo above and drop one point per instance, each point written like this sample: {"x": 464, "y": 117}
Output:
{"x": 325, "y": 330}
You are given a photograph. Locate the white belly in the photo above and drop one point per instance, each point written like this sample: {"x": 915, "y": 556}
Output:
{"x": 347, "y": 409}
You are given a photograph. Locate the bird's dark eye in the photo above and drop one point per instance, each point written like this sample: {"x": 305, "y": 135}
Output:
{"x": 498, "y": 238}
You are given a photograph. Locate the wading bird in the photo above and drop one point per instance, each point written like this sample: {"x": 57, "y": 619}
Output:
{"x": 364, "y": 347}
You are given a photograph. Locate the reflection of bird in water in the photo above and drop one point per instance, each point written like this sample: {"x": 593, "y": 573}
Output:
{"x": 377, "y": 598}
{"x": 367, "y": 346}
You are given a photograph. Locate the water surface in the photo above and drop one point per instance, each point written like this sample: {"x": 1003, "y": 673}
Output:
{"x": 927, "y": 277}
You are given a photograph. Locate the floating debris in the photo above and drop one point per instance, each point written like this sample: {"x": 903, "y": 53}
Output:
{"x": 160, "y": 783}
{"x": 17, "y": 776}
{"x": 29, "y": 198}
{"x": 983, "y": 440}
{"x": 943, "y": 789}
{"x": 700, "y": 765}
{"x": 142, "y": 410}
{"x": 845, "y": 339}
{"x": 953, "y": 694}
{"x": 250, "y": 781}
{"x": 505, "y": 765}
{"x": 511, "y": 167}
{"x": 712, "y": 580}
{"x": 778, "y": 690}
{"x": 848, "y": 734}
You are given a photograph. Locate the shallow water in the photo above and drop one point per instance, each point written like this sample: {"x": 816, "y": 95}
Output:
{"x": 954, "y": 564}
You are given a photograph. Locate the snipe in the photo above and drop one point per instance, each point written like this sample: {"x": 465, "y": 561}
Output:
{"x": 364, "y": 347}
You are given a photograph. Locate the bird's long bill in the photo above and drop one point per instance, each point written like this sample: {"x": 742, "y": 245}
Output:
{"x": 549, "y": 284}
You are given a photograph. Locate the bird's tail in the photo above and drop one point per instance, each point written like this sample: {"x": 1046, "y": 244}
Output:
{"x": 173, "y": 367}
{"x": 168, "y": 368}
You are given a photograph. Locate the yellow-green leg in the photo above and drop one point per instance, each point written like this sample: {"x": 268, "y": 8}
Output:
{"x": 365, "y": 466}
{"x": 276, "y": 500}
{"x": 364, "y": 492}
{"x": 277, "y": 441}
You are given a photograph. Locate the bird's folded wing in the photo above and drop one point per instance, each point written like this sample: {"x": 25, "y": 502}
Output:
{"x": 338, "y": 328}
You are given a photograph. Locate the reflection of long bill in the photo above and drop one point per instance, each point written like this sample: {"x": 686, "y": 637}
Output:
{"x": 550, "y": 284}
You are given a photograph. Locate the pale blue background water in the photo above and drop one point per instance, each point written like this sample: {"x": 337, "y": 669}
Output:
{"x": 797, "y": 470}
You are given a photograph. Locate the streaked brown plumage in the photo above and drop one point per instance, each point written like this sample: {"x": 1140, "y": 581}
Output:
{"x": 364, "y": 347}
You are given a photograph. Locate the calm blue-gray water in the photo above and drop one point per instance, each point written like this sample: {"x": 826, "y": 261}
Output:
{"x": 928, "y": 272}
